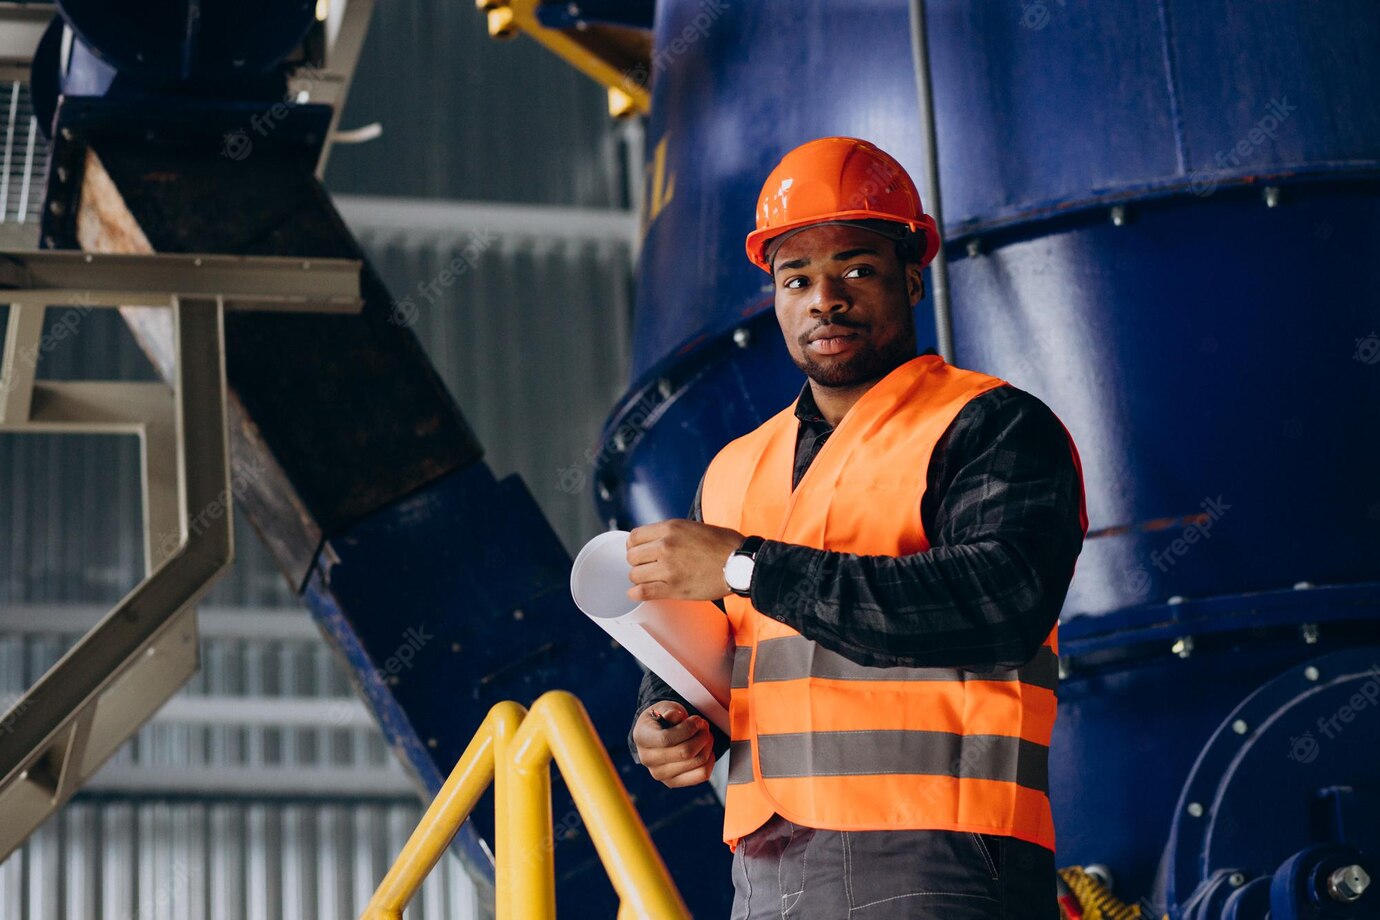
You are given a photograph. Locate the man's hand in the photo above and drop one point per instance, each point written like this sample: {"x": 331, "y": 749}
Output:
{"x": 680, "y": 559}
{"x": 682, "y": 755}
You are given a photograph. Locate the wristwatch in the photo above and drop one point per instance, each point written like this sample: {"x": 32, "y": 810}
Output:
{"x": 738, "y": 568}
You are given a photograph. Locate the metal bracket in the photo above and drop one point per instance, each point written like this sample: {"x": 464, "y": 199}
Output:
{"x": 609, "y": 57}
{"x": 347, "y": 24}
{"x": 116, "y": 676}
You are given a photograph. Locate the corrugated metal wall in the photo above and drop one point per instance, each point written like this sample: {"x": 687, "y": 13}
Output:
{"x": 23, "y": 159}
{"x": 466, "y": 117}
{"x": 216, "y": 811}
{"x": 533, "y": 342}
{"x": 236, "y": 801}
{"x": 71, "y": 497}
{"x": 143, "y": 859}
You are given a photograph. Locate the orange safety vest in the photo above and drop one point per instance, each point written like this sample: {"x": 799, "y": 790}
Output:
{"x": 830, "y": 744}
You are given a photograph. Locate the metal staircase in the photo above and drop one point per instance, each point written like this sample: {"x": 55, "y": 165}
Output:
{"x": 121, "y": 672}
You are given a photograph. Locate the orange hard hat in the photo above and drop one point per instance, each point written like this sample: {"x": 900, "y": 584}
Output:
{"x": 838, "y": 180}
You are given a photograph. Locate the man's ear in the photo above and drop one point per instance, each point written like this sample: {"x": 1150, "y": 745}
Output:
{"x": 915, "y": 282}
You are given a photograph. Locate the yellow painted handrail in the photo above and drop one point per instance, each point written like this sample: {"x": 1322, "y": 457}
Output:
{"x": 513, "y": 749}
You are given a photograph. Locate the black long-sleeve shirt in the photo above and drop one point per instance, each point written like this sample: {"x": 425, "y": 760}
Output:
{"x": 1001, "y": 511}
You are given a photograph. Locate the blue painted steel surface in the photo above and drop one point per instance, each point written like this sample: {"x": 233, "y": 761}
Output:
{"x": 458, "y": 597}
{"x": 1099, "y": 100}
{"x": 1299, "y": 889}
{"x": 1249, "y": 902}
{"x": 1223, "y": 387}
{"x": 1129, "y": 734}
{"x": 755, "y": 82}
{"x": 1211, "y": 346}
{"x": 661, "y": 436}
{"x": 1260, "y": 779}
{"x": 191, "y": 43}
{"x": 220, "y": 55}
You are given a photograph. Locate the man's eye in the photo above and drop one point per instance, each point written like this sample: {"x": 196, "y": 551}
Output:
{"x": 794, "y": 283}
{"x": 859, "y": 271}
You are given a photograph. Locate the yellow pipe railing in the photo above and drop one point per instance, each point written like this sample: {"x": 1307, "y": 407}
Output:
{"x": 513, "y": 749}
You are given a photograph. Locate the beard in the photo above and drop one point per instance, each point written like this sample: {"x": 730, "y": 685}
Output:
{"x": 867, "y": 362}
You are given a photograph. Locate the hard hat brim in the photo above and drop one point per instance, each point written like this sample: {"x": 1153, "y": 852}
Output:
{"x": 757, "y": 240}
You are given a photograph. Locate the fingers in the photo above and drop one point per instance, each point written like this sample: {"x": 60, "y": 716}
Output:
{"x": 669, "y": 710}
{"x": 694, "y": 775}
{"x": 681, "y": 755}
{"x": 643, "y": 553}
{"x": 657, "y": 570}
{"x": 678, "y": 559}
{"x": 649, "y": 735}
{"x": 650, "y": 541}
{"x": 691, "y": 768}
{"x": 647, "y": 533}
{"x": 648, "y": 572}
{"x": 650, "y": 591}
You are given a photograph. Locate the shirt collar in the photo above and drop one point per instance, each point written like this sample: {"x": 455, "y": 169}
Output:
{"x": 805, "y": 407}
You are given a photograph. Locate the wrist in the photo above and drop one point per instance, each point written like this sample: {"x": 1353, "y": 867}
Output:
{"x": 741, "y": 565}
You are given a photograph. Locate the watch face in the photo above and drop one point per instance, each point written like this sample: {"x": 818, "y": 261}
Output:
{"x": 738, "y": 572}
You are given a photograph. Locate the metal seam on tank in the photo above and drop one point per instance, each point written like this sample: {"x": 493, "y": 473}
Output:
{"x": 1171, "y": 85}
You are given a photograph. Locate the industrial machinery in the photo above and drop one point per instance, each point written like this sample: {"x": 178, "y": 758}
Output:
{"x": 1160, "y": 218}
{"x": 201, "y": 128}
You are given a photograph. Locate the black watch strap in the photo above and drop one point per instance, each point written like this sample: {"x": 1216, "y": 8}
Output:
{"x": 750, "y": 546}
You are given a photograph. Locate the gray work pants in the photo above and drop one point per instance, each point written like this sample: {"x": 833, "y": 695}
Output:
{"x": 788, "y": 872}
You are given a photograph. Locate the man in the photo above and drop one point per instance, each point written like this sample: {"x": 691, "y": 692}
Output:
{"x": 892, "y": 552}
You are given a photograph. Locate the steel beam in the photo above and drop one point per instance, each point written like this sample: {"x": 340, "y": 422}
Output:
{"x": 426, "y": 221}
{"x": 116, "y": 676}
{"x": 83, "y": 708}
{"x": 291, "y": 624}
{"x": 338, "y": 415}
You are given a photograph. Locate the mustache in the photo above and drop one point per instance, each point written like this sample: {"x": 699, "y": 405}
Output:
{"x": 834, "y": 323}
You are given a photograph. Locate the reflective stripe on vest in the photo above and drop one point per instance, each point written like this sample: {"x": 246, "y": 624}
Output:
{"x": 832, "y": 744}
{"x": 863, "y": 753}
{"x": 794, "y": 657}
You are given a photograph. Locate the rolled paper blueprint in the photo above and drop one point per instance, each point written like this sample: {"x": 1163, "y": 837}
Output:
{"x": 688, "y": 644}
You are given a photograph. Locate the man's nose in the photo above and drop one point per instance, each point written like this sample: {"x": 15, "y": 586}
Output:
{"x": 831, "y": 296}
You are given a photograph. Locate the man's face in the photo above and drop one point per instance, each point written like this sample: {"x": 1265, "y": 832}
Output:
{"x": 845, "y": 304}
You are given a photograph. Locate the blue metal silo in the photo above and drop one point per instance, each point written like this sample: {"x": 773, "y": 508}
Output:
{"x": 1160, "y": 219}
